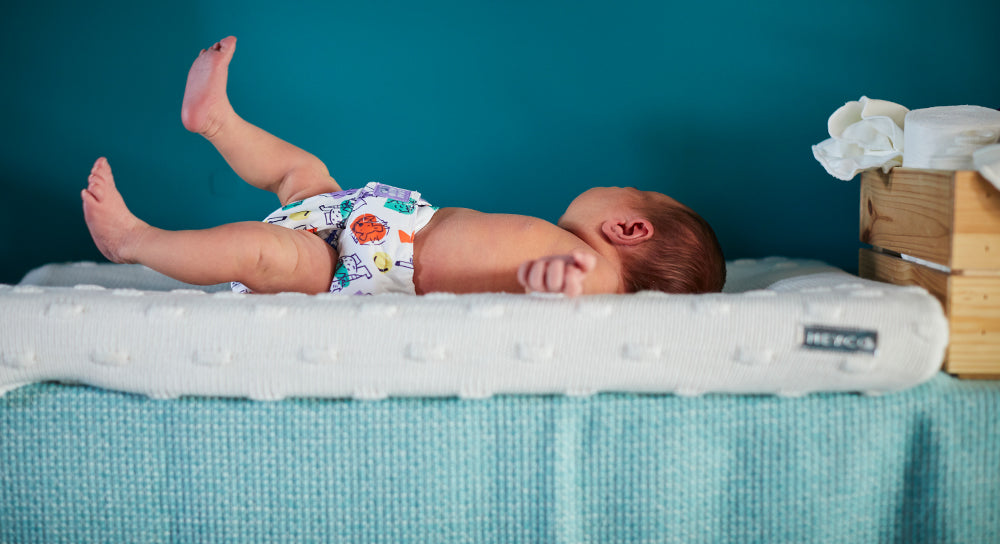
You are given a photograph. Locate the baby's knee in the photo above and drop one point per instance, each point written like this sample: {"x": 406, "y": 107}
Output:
{"x": 289, "y": 260}
{"x": 306, "y": 181}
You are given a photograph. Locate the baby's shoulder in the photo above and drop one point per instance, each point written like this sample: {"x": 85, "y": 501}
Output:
{"x": 462, "y": 223}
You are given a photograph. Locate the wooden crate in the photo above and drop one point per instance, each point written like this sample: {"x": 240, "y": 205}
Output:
{"x": 950, "y": 222}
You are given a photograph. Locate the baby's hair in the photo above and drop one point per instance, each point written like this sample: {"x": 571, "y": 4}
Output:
{"x": 683, "y": 256}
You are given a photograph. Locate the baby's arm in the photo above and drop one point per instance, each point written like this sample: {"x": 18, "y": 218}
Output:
{"x": 557, "y": 273}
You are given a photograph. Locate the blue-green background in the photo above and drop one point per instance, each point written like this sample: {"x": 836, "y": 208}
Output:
{"x": 502, "y": 106}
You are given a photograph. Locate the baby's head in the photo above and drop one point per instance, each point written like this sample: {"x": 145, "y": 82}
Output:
{"x": 682, "y": 256}
{"x": 662, "y": 244}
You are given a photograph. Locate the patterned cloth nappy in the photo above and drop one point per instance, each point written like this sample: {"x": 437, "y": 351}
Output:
{"x": 372, "y": 230}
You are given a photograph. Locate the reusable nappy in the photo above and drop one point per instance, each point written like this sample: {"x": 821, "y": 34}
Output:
{"x": 372, "y": 230}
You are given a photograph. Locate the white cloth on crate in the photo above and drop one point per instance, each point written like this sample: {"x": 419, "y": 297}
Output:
{"x": 864, "y": 134}
{"x": 987, "y": 161}
{"x": 946, "y": 137}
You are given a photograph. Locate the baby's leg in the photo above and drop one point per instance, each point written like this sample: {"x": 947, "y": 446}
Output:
{"x": 261, "y": 159}
{"x": 266, "y": 258}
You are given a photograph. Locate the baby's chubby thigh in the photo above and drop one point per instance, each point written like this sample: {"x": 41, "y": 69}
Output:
{"x": 292, "y": 260}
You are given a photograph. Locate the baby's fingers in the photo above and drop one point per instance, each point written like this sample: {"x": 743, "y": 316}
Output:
{"x": 527, "y": 274}
{"x": 539, "y": 275}
{"x": 531, "y": 275}
{"x": 585, "y": 261}
{"x": 555, "y": 274}
{"x": 522, "y": 274}
{"x": 574, "y": 282}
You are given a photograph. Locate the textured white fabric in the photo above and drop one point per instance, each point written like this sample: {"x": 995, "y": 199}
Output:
{"x": 128, "y": 336}
{"x": 945, "y": 137}
{"x": 987, "y": 161}
{"x": 864, "y": 134}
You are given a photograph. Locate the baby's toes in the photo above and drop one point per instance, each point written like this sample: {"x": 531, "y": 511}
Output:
{"x": 98, "y": 186}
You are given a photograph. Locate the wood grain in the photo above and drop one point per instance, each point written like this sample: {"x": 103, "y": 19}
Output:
{"x": 881, "y": 267}
{"x": 908, "y": 211}
{"x": 976, "y": 223}
{"x": 974, "y": 325}
{"x": 950, "y": 218}
{"x": 971, "y": 302}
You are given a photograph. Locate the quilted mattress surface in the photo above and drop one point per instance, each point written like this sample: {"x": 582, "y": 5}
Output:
{"x": 787, "y": 327}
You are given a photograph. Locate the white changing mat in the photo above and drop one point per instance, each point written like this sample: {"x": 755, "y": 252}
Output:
{"x": 783, "y": 327}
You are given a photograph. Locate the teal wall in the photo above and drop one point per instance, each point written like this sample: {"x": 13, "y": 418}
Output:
{"x": 502, "y": 106}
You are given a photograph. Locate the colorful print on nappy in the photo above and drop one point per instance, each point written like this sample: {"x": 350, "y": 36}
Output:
{"x": 392, "y": 193}
{"x": 369, "y": 229}
{"x": 346, "y": 207}
{"x": 357, "y": 223}
{"x": 349, "y": 270}
{"x": 405, "y": 208}
{"x": 383, "y": 262}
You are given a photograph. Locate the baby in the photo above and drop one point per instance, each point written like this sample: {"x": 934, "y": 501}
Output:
{"x": 382, "y": 239}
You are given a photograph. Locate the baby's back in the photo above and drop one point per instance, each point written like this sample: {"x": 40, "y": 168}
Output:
{"x": 466, "y": 251}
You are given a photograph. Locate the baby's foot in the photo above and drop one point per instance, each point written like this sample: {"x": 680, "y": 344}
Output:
{"x": 206, "y": 106}
{"x": 112, "y": 226}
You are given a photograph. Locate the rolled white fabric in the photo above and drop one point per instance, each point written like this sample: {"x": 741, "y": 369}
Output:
{"x": 864, "y": 134}
{"x": 987, "y": 161}
{"x": 945, "y": 137}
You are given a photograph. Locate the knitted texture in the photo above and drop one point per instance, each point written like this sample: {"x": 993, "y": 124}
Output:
{"x": 814, "y": 328}
{"x": 85, "y": 465}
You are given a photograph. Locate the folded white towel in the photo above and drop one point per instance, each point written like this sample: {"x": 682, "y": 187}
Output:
{"x": 987, "y": 161}
{"x": 945, "y": 137}
{"x": 864, "y": 134}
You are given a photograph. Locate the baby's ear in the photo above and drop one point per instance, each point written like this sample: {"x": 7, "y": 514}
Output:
{"x": 628, "y": 232}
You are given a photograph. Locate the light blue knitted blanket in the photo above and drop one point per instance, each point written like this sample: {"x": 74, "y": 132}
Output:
{"x": 85, "y": 465}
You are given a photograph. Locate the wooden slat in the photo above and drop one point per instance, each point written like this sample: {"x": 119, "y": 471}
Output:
{"x": 908, "y": 211}
{"x": 950, "y": 218}
{"x": 974, "y": 319}
{"x": 881, "y": 267}
{"x": 972, "y": 304}
{"x": 976, "y": 224}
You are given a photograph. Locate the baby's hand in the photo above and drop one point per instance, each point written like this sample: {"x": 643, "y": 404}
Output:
{"x": 557, "y": 273}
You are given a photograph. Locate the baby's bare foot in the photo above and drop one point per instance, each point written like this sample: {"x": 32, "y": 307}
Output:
{"x": 206, "y": 106}
{"x": 112, "y": 226}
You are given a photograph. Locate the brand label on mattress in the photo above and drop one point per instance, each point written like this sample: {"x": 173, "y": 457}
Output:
{"x": 835, "y": 339}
